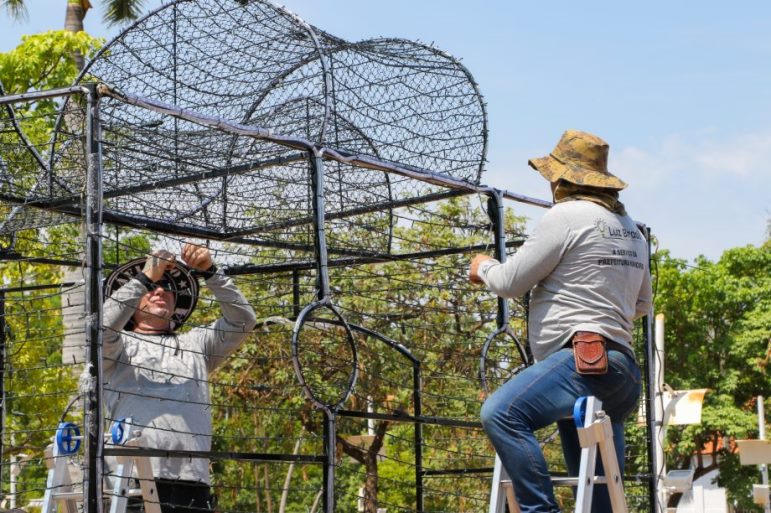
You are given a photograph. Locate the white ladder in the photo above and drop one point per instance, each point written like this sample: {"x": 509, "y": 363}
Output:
{"x": 594, "y": 431}
{"x": 59, "y": 485}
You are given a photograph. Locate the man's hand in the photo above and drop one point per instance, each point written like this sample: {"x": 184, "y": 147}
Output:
{"x": 197, "y": 257}
{"x": 157, "y": 263}
{"x": 473, "y": 273}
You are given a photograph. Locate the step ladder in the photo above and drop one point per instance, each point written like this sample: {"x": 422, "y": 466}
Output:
{"x": 594, "y": 432}
{"x": 64, "y": 473}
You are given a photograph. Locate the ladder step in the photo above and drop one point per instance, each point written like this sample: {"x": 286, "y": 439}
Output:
{"x": 573, "y": 481}
{"x": 66, "y": 496}
{"x": 565, "y": 481}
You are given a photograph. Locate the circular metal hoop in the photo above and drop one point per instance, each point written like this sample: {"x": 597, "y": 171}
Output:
{"x": 500, "y": 366}
{"x": 326, "y": 373}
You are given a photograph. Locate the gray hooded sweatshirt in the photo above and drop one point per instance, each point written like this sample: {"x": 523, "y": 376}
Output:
{"x": 587, "y": 269}
{"x": 161, "y": 381}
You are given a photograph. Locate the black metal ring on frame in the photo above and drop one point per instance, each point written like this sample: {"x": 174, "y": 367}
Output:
{"x": 353, "y": 376}
{"x": 507, "y": 331}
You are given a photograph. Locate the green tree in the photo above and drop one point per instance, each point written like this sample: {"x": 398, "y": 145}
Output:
{"x": 718, "y": 332}
{"x": 38, "y": 384}
{"x": 44, "y": 61}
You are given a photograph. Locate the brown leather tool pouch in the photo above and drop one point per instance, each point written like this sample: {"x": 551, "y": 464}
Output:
{"x": 590, "y": 353}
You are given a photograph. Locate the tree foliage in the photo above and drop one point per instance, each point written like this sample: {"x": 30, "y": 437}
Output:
{"x": 44, "y": 61}
{"x": 38, "y": 384}
{"x": 718, "y": 336}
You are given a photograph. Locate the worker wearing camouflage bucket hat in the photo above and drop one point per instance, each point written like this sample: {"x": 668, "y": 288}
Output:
{"x": 586, "y": 267}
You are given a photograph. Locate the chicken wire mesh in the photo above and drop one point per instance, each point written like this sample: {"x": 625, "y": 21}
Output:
{"x": 211, "y": 121}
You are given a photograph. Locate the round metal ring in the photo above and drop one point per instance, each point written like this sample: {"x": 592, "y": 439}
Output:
{"x": 483, "y": 366}
{"x": 314, "y": 380}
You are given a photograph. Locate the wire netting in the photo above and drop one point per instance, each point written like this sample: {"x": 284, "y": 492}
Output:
{"x": 213, "y": 123}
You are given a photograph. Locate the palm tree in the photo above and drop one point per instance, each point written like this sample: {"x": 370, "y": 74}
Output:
{"x": 117, "y": 11}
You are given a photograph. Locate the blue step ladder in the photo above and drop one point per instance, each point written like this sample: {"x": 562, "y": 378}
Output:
{"x": 594, "y": 432}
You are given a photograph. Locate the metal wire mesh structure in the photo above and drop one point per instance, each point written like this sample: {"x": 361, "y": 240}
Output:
{"x": 338, "y": 184}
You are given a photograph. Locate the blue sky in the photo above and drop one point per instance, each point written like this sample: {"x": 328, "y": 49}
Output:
{"x": 680, "y": 90}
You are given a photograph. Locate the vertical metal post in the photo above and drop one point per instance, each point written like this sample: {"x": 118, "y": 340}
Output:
{"x": 660, "y": 429}
{"x": 322, "y": 288}
{"x": 651, "y": 395}
{"x": 330, "y": 451}
{"x": 417, "y": 398}
{"x": 496, "y": 213}
{"x": 762, "y": 436}
{"x": 320, "y": 241}
{"x": 296, "y": 309}
{"x": 2, "y": 380}
{"x": 92, "y": 482}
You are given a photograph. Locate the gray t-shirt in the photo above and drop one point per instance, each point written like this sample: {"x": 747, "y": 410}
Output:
{"x": 588, "y": 270}
{"x": 161, "y": 381}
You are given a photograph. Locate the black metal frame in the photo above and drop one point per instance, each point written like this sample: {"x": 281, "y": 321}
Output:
{"x": 91, "y": 209}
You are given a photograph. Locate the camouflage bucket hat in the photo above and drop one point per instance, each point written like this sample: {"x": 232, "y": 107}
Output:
{"x": 580, "y": 158}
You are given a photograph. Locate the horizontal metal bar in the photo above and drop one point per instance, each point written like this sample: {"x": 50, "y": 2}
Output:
{"x": 63, "y": 206}
{"x": 404, "y": 417}
{"x": 385, "y": 205}
{"x": 48, "y": 286}
{"x": 526, "y": 199}
{"x": 211, "y": 455}
{"x": 200, "y": 119}
{"x": 457, "y": 471}
{"x": 345, "y": 262}
{"x": 171, "y": 182}
{"x": 556, "y": 479}
{"x": 424, "y": 175}
{"x": 42, "y": 95}
{"x": 243, "y": 270}
{"x": 15, "y": 257}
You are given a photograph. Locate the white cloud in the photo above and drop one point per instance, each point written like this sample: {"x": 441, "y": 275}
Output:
{"x": 744, "y": 155}
{"x": 701, "y": 192}
{"x": 696, "y": 156}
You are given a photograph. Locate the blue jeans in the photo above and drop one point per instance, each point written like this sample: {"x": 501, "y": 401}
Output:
{"x": 545, "y": 393}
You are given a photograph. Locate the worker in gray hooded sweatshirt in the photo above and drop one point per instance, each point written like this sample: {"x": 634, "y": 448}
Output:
{"x": 586, "y": 266}
{"x": 158, "y": 377}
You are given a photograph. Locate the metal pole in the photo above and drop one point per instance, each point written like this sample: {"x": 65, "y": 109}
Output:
{"x": 322, "y": 287}
{"x": 652, "y": 393}
{"x": 496, "y": 214}
{"x": 658, "y": 410}
{"x": 418, "y": 400}
{"x": 2, "y": 381}
{"x": 296, "y": 309}
{"x": 92, "y": 482}
{"x": 319, "y": 242}
{"x": 330, "y": 449}
{"x": 762, "y": 436}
